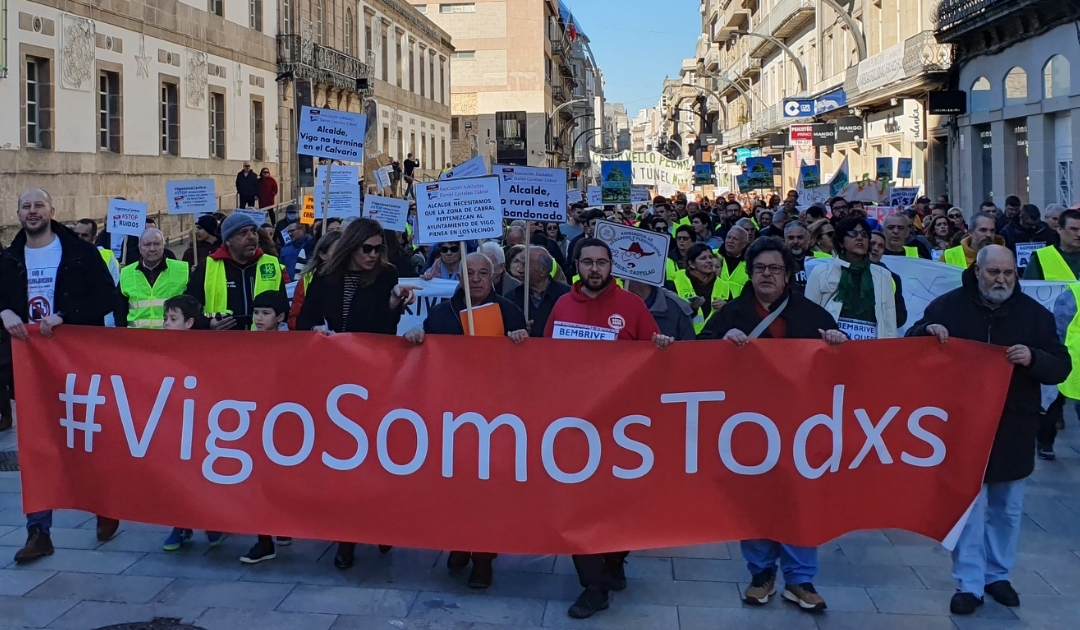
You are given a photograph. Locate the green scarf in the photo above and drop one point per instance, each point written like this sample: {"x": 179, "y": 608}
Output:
{"x": 856, "y": 292}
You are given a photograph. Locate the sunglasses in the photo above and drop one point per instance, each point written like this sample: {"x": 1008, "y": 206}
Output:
{"x": 373, "y": 249}
{"x": 452, "y": 249}
{"x": 955, "y": 215}
{"x": 857, "y": 234}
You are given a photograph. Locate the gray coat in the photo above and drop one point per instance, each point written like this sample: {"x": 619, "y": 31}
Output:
{"x": 509, "y": 283}
{"x": 673, "y": 315}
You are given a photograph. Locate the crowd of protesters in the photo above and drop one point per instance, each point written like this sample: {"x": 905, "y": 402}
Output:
{"x": 735, "y": 272}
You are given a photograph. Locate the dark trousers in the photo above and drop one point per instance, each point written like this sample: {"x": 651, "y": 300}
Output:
{"x": 1048, "y": 421}
{"x": 246, "y": 201}
{"x": 593, "y": 569}
{"x": 479, "y": 557}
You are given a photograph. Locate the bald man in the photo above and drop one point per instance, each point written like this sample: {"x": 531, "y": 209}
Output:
{"x": 145, "y": 286}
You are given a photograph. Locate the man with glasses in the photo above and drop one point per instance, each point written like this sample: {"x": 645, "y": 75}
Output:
{"x": 247, "y": 187}
{"x": 899, "y": 240}
{"x": 840, "y": 208}
{"x": 596, "y": 308}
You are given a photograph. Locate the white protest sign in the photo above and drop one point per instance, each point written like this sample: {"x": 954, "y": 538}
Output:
{"x": 667, "y": 190}
{"x": 566, "y": 330}
{"x": 639, "y": 194}
{"x": 1024, "y": 252}
{"x": 636, "y": 254}
{"x": 903, "y": 197}
{"x": 475, "y": 167}
{"x": 259, "y": 216}
{"x": 594, "y": 196}
{"x": 391, "y": 213}
{"x": 331, "y": 134}
{"x": 382, "y": 177}
{"x": 192, "y": 196}
{"x": 344, "y": 191}
{"x": 431, "y": 292}
{"x": 458, "y": 210}
{"x": 573, "y": 196}
{"x": 532, "y": 193}
{"x": 126, "y": 217}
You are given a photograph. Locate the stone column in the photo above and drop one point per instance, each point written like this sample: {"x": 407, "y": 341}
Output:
{"x": 1042, "y": 170}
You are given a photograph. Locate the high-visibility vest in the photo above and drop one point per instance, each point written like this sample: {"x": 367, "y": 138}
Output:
{"x": 670, "y": 269}
{"x": 956, "y": 257}
{"x": 821, "y": 255}
{"x": 733, "y": 280}
{"x": 146, "y": 304}
{"x": 685, "y": 289}
{"x": 1071, "y": 387}
{"x": 107, "y": 255}
{"x": 554, "y": 268}
{"x": 1053, "y": 264}
{"x": 911, "y": 252}
{"x": 217, "y": 294}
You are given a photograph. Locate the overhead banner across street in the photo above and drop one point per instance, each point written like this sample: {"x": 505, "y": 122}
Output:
{"x": 654, "y": 456}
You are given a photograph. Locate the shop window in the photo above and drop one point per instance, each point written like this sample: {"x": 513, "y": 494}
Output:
{"x": 1016, "y": 89}
{"x": 1056, "y": 77}
{"x": 980, "y": 95}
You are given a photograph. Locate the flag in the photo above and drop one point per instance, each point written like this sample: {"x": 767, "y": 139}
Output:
{"x": 571, "y": 30}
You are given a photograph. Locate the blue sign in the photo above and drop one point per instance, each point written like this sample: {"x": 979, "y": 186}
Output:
{"x": 830, "y": 101}
{"x": 795, "y": 108}
{"x": 742, "y": 154}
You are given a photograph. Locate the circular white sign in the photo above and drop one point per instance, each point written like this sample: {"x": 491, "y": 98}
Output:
{"x": 791, "y": 108}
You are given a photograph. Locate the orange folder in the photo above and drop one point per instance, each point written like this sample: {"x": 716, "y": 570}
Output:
{"x": 487, "y": 321}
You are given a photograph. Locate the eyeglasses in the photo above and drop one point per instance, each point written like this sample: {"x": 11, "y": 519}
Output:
{"x": 603, "y": 263}
{"x": 772, "y": 270}
{"x": 683, "y": 238}
{"x": 452, "y": 249}
{"x": 955, "y": 215}
{"x": 838, "y": 207}
{"x": 373, "y": 249}
{"x": 857, "y": 234}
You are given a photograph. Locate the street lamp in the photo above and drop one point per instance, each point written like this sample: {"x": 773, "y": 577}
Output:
{"x": 852, "y": 25}
{"x": 558, "y": 109}
{"x": 803, "y": 82}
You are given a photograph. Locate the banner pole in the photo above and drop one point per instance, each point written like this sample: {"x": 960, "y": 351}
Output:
{"x": 464, "y": 273}
{"x": 326, "y": 197}
{"x": 528, "y": 261}
{"x": 194, "y": 241}
{"x": 123, "y": 245}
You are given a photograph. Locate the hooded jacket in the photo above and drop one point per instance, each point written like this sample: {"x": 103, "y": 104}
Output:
{"x": 1019, "y": 320}
{"x": 240, "y": 283}
{"x": 615, "y": 308}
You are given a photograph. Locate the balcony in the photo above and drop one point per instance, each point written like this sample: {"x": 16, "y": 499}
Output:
{"x": 986, "y": 26}
{"x": 732, "y": 20}
{"x": 785, "y": 19}
{"x": 712, "y": 59}
{"x": 558, "y": 94}
{"x": 767, "y": 120}
{"x": 308, "y": 60}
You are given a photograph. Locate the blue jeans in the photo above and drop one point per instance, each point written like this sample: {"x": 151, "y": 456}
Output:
{"x": 41, "y": 519}
{"x": 799, "y": 564}
{"x": 986, "y": 549}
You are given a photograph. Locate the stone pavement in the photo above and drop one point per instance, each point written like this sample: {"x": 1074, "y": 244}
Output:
{"x": 875, "y": 580}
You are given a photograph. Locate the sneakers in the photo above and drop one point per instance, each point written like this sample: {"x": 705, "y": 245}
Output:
{"x": 762, "y": 588}
{"x": 616, "y": 572}
{"x": 804, "y": 596}
{"x": 481, "y": 574}
{"x": 1046, "y": 452}
{"x": 215, "y": 539}
{"x": 38, "y": 545}
{"x": 964, "y": 603}
{"x": 177, "y": 539}
{"x": 263, "y": 550}
{"x": 106, "y": 528}
{"x": 284, "y": 541}
{"x": 1003, "y": 593}
{"x": 592, "y": 601}
{"x": 345, "y": 556}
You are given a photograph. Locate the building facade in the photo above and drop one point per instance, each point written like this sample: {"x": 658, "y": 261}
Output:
{"x": 380, "y": 57}
{"x": 526, "y": 89}
{"x": 101, "y": 102}
{"x": 1019, "y": 69}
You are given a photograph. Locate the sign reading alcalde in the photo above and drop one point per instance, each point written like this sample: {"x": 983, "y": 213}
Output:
{"x": 331, "y": 134}
{"x": 532, "y": 193}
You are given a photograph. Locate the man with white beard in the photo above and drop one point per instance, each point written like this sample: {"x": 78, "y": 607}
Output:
{"x": 990, "y": 308}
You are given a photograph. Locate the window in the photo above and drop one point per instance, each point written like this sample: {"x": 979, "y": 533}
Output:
{"x": 255, "y": 12}
{"x": 412, "y": 143}
{"x": 421, "y": 68}
{"x": 442, "y": 151}
{"x": 433, "y": 164}
{"x": 431, "y": 76}
{"x": 170, "y": 119}
{"x": 38, "y": 103}
{"x": 400, "y": 73}
{"x": 412, "y": 69}
{"x": 385, "y": 148}
{"x": 216, "y": 7}
{"x": 1016, "y": 90}
{"x": 455, "y": 124}
{"x": 1056, "y": 77}
{"x": 367, "y": 37}
{"x": 258, "y": 124}
{"x": 217, "y": 125}
{"x": 463, "y": 54}
{"x": 423, "y": 151}
{"x": 349, "y": 33}
{"x": 421, "y": 8}
{"x": 109, "y": 111}
{"x": 980, "y": 95}
{"x": 442, "y": 79}
{"x": 286, "y": 17}
{"x": 320, "y": 22}
{"x": 511, "y": 138}
{"x": 457, "y": 8}
{"x": 385, "y": 58}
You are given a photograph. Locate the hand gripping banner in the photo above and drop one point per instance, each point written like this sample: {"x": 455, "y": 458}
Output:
{"x": 550, "y": 447}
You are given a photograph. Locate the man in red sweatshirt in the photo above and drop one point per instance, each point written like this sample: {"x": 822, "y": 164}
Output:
{"x": 598, "y": 309}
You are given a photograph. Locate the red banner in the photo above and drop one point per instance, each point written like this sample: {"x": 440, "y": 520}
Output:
{"x": 550, "y": 447}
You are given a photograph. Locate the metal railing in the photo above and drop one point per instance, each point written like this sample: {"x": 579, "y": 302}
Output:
{"x": 950, "y": 13}
{"x": 307, "y": 60}
{"x": 779, "y": 16}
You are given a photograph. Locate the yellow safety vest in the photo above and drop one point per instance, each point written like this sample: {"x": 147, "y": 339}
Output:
{"x": 217, "y": 294}
{"x": 107, "y": 256}
{"x": 685, "y": 289}
{"x": 734, "y": 280}
{"x": 554, "y": 268}
{"x": 146, "y": 304}
{"x": 956, "y": 257}
{"x": 1071, "y": 387}
{"x": 911, "y": 252}
{"x": 1053, "y": 264}
{"x": 670, "y": 269}
{"x": 821, "y": 255}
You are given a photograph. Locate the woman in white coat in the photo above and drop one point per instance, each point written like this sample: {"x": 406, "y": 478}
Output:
{"x": 856, "y": 292}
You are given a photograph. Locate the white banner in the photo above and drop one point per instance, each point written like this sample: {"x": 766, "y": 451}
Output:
{"x": 431, "y": 292}
{"x": 192, "y": 196}
{"x": 532, "y": 193}
{"x": 652, "y": 169}
{"x": 636, "y": 254}
{"x": 126, "y": 217}
{"x": 458, "y": 210}
{"x": 331, "y": 134}
{"x": 639, "y": 194}
{"x": 391, "y": 213}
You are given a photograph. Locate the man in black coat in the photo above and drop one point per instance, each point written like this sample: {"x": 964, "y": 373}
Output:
{"x": 247, "y": 187}
{"x": 545, "y": 291}
{"x": 51, "y": 277}
{"x": 990, "y": 308}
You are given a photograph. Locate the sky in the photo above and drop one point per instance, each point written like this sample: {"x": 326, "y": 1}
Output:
{"x": 637, "y": 43}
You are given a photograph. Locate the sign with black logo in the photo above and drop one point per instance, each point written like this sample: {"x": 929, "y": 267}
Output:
{"x": 850, "y": 129}
{"x": 947, "y": 102}
{"x": 824, "y": 134}
{"x": 712, "y": 139}
{"x": 779, "y": 141}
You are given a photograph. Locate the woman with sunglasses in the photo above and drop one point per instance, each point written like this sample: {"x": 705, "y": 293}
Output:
{"x": 822, "y": 235}
{"x": 448, "y": 264}
{"x": 857, "y": 293}
{"x": 956, "y": 218}
{"x": 553, "y": 232}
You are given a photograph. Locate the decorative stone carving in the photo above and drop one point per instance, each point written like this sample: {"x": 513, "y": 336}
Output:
{"x": 307, "y": 42}
{"x": 196, "y": 79}
{"x": 78, "y": 54}
{"x": 142, "y": 59}
{"x": 239, "y": 80}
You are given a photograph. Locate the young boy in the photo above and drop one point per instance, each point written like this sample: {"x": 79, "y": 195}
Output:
{"x": 268, "y": 311}
{"x": 184, "y": 312}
